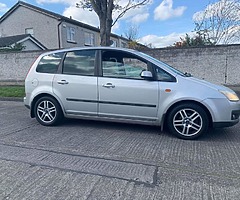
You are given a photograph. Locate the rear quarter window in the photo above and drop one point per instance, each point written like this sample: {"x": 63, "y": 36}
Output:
{"x": 49, "y": 63}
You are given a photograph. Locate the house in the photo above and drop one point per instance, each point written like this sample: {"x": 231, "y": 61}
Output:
{"x": 52, "y": 30}
{"x": 25, "y": 42}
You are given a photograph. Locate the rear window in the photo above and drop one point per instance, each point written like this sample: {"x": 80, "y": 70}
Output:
{"x": 49, "y": 63}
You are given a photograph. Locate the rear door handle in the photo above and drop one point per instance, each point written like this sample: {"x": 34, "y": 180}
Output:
{"x": 62, "y": 82}
{"x": 108, "y": 85}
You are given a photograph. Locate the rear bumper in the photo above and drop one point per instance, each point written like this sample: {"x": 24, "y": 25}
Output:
{"x": 25, "y": 103}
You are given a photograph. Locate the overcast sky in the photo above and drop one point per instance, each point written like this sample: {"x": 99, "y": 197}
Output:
{"x": 161, "y": 22}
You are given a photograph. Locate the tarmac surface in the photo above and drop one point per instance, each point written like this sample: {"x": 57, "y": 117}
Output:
{"x": 92, "y": 160}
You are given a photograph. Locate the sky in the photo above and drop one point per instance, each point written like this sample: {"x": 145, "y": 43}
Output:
{"x": 161, "y": 23}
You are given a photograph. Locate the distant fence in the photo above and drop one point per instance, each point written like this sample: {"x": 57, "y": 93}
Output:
{"x": 219, "y": 64}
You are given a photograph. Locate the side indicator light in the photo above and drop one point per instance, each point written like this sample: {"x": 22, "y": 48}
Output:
{"x": 168, "y": 90}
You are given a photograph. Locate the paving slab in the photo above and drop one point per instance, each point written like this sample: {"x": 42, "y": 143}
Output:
{"x": 139, "y": 173}
{"x": 91, "y": 160}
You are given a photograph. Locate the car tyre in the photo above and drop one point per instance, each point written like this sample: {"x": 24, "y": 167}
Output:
{"x": 48, "y": 111}
{"x": 188, "y": 121}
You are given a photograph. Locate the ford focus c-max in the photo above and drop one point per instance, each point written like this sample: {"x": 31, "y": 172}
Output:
{"x": 124, "y": 85}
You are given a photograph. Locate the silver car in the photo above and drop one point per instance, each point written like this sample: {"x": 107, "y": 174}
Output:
{"x": 124, "y": 85}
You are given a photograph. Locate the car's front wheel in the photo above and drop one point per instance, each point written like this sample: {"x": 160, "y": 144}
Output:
{"x": 48, "y": 111}
{"x": 188, "y": 121}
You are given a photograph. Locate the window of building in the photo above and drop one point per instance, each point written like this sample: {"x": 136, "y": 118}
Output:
{"x": 89, "y": 39}
{"x": 114, "y": 43}
{"x": 124, "y": 44}
{"x": 70, "y": 34}
{"x": 29, "y": 31}
{"x": 79, "y": 63}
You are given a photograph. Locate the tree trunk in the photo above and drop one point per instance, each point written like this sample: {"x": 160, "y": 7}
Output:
{"x": 104, "y": 9}
{"x": 105, "y": 18}
{"x": 105, "y": 32}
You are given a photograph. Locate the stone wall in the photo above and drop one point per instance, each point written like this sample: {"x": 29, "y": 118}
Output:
{"x": 14, "y": 66}
{"x": 220, "y": 64}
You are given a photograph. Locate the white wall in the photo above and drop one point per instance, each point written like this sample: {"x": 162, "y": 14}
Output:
{"x": 14, "y": 66}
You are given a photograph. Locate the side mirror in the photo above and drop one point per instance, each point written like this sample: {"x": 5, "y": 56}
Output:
{"x": 146, "y": 75}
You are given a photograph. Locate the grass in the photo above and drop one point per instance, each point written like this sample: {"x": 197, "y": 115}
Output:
{"x": 12, "y": 91}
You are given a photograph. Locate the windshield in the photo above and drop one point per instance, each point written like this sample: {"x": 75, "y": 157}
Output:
{"x": 165, "y": 65}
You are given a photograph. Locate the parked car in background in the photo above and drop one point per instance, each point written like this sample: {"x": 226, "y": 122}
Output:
{"x": 124, "y": 85}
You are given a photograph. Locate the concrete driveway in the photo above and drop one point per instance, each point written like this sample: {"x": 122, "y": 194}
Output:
{"x": 97, "y": 160}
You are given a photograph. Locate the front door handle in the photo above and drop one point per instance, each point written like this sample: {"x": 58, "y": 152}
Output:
{"x": 108, "y": 85}
{"x": 62, "y": 82}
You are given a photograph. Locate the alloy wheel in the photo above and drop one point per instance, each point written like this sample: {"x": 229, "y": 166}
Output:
{"x": 46, "y": 111}
{"x": 187, "y": 122}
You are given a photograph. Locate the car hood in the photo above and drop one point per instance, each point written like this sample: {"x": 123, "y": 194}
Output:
{"x": 209, "y": 84}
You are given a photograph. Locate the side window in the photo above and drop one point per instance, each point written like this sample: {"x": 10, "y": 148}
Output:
{"x": 79, "y": 63}
{"x": 164, "y": 76}
{"x": 122, "y": 65}
{"x": 49, "y": 63}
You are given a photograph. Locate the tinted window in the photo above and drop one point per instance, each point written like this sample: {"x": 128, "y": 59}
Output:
{"x": 164, "y": 76}
{"x": 79, "y": 63}
{"x": 49, "y": 63}
{"x": 122, "y": 65}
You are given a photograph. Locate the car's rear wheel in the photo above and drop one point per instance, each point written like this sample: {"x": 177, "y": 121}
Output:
{"x": 188, "y": 121}
{"x": 48, "y": 111}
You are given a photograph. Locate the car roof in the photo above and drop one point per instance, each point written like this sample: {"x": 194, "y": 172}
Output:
{"x": 90, "y": 48}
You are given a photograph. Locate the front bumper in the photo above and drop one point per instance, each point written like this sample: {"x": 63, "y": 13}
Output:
{"x": 224, "y": 113}
{"x": 224, "y": 124}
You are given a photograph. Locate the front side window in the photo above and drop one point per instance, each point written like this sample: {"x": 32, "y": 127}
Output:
{"x": 122, "y": 65}
{"x": 49, "y": 63}
{"x": 79, "y": 63}
{"x": 163, "y": 75}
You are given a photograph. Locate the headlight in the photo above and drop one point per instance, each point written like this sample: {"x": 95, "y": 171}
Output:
{"x": 231, "y": 96}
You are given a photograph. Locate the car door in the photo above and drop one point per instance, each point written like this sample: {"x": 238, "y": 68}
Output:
{"x": 76, "y": 85}
{"x": 123, "y": 93}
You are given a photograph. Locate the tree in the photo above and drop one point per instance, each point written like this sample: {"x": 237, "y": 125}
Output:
{"x": 199, "y": 40}
{"x": 132, "y": 33}
{"x": 14, "y": 47}
{"x": 221, "y": 20}
{"x": 104, "y": 9}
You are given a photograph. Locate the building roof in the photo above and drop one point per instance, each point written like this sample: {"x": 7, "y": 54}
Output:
{"x": 11, "y": 40}
{"x": 53, "y": 15}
